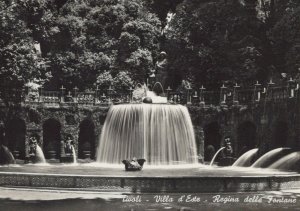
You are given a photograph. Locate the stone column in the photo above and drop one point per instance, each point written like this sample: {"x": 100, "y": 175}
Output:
{"x": 199, "y": 136}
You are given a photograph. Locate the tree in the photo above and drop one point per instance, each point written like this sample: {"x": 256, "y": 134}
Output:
{"x": 19, "y": 61}
{"x": 215, "y": 41}
{"x": 86, "y": 38}
{"x": 285, "y": 39}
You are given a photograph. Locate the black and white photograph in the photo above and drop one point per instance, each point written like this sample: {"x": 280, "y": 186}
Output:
{"x": 134, "y": 105}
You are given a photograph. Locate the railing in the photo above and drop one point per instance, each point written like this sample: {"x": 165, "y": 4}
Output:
{"x": 49, "y": 97}
{"x": 83, "y": 98}
{"x": 199, "y": 97}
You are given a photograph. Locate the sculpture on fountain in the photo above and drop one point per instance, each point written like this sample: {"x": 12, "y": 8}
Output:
{"x": 34, "y": 154}
{"x": 134, "y": 164}
{"x": 159, "y": 73}
{"x": 67, "y": 150}
{"x": 68, "y": 145}
{"x": 227, "y": 158}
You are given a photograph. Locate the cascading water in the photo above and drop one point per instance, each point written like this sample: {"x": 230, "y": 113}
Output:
{"x": 40, "y": 155}
{"x": 246, "y": 159}
{"x": 161, "y": 134}
{"x": 74, "y": 154}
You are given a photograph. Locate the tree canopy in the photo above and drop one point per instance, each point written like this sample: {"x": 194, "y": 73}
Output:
{"x": 89, "y": 43}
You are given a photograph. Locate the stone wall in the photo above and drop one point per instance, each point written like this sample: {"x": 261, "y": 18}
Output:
{"x": 68, "y": 118}
{"x": 267, "y": 121}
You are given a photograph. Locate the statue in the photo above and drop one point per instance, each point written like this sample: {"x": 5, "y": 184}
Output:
{"x": 68, "y": 145}
{"x": 228, "y": 151}
{"x": 160, "y": 67}
{"x": 134, "y": 164}
{"x": 159, "y": 74}
{"x": 162, "y": 62}
{"x": 32, "y": 149}
{"x": 32, "y": 146}
{"x": 227, "y": 159}
{"x": 67, "y": 150}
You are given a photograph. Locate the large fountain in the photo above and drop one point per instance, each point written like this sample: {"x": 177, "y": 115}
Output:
{"x": 161, "y": 134}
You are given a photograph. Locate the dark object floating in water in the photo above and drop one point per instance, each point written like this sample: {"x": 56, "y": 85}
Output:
{"x": 147, "y": 100}
{"x": 134, "y": 164}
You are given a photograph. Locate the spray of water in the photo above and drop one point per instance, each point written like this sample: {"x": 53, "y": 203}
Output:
{"x": 74, "y": 154}
{"x": 245, "y": 159}
{"x": 215, "y": 156}
{"x": 162, "y": 134}
{"x": 270, "y": 157}
{"x": 40, "y": 155}
{"x": 290, "y": 162}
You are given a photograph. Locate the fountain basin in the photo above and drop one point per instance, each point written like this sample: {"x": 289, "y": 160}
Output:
{"x": 197, "y": 179}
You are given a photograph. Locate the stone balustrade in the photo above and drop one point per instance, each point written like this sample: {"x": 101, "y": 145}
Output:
{"x": 229, "y": 96}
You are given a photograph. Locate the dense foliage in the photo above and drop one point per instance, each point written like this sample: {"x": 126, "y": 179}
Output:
{"x": 89, "y": 43}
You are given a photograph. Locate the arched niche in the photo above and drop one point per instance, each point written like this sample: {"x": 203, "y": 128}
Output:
{"x": 246, "y": 137}
{"x": 280, "y": 134}
{"x": 51, "y": 138}
{"x": 86, "y": 139}
{"x": 15, "y": 133}
{"x": 212, "y": 140}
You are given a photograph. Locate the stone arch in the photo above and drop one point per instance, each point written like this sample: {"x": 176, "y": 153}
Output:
{"x": 86, "y": 139}
{"x": 51, "y": 138}
{"x": 212, "y": 138}
{"x": 15, "y": 135}
{"x": 246, "y": 137}
{"x": 280, "y": 134}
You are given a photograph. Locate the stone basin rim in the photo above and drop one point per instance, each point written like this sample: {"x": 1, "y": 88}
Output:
{"x": 286, "y": 175}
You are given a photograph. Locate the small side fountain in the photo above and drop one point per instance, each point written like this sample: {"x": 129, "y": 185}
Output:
{"x": 227, "y": 158}
{"x": 36, "y": 154}
{"x": 290, "y": 162}
{"x": 68, "y": 153}
{"x": 74, "y": 154}
{"x": 6, "y": 157}
{"x": 246, "y": 159}
{"x": 40, "y": 158}
{"x": 227, "y": 152}
{"x": 271, "y": 157}
{"x": 215, "y": 156}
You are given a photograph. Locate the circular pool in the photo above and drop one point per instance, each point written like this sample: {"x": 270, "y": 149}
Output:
{"x": 188, "y": 178}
